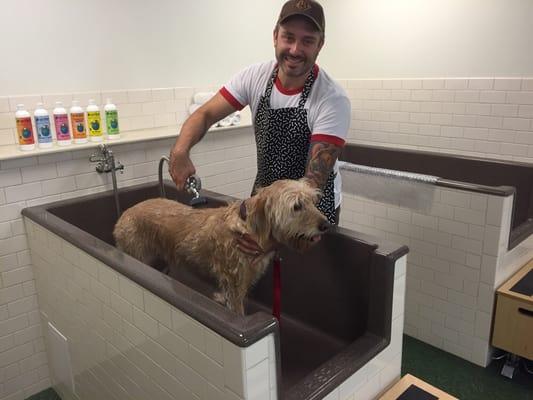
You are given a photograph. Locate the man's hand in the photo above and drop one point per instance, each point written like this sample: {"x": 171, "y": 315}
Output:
{"x": 192, "y": 131}
{"x": 180, "y": 167}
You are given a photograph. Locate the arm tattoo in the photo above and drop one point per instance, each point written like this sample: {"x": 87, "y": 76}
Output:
{"x": 320, "y": 162}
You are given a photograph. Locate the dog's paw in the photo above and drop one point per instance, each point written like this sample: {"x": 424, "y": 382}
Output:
{"x": 220, "y": 297}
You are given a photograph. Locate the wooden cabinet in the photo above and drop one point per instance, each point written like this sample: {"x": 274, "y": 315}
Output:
{"x": 513, "y": 321}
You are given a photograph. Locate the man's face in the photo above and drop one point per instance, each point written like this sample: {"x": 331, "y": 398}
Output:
{"x": 297, "y": 46}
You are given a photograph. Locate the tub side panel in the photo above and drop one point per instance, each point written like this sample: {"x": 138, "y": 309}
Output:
{"x": 384, "y": 369}
{"x": 123, "y": 341}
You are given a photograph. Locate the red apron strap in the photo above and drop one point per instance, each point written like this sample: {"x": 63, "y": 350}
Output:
{"x": 276, "y": 294}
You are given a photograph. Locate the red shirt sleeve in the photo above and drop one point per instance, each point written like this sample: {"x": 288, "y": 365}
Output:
{"x": 229, "y": 97}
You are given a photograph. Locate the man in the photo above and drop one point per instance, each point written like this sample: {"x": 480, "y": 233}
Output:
{"x": 301, "y": 116}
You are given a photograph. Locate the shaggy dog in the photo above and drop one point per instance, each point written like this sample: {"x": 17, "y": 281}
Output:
{"x": 282, "y": 213}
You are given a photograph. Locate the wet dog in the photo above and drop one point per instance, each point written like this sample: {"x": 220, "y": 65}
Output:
{"x": 282, "y": 213}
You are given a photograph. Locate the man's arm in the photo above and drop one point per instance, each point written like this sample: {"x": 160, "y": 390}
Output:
{"x": 320, "y": 162}
{"x": 192, "y": 131}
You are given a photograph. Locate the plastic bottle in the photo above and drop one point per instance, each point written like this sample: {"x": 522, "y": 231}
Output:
{"x": 61, "y": 125}
{"x": 42, "y": 126}
{"x": 94, "y": 121}
{"x": 77, "y": 123}
{"x": 111, "y": 120}
{"x": 24, "y": 128}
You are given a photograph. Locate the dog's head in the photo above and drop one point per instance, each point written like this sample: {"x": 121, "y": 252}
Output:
{"x": 286, "y": 212}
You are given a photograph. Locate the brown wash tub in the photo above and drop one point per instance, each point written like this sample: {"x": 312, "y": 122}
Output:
{"x": 474, "y": 230}
{"x": 336, "y": 299}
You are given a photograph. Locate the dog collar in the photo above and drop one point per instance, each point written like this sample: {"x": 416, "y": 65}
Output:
{"x": 242, "y": 211}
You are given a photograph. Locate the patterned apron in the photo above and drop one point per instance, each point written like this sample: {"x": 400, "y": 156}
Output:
{"x": 282, "y": 137}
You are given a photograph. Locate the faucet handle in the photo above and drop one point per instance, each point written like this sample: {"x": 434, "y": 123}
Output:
{"x": 104, "y": 149}
{"x": 96, "y": 158}
{"x": 100, "y": 154}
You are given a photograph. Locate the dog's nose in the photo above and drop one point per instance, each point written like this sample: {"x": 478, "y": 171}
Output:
{"x": 324, "y": 226}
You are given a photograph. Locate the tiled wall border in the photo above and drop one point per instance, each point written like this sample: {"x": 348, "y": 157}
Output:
{"x": 485, "y": 117}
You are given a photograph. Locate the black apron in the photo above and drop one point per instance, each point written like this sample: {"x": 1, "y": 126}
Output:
{"x": 282, "y": 138}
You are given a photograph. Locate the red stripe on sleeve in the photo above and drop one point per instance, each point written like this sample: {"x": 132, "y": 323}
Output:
{"x": 229, "y": 97}
{"x": 337, "y": 141}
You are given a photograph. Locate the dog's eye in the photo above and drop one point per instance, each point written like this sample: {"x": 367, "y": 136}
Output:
{"x": 297, "y": 206}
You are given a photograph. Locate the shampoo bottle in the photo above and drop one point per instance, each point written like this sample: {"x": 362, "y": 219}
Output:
{"x": 77, "y": 123}
{"x": 42, "y": 125}
{"x": 94, "y": 121}
{"x": 61, "y": 125}
{"x": 111, "y": 120}
{"x": 24, "y": 128}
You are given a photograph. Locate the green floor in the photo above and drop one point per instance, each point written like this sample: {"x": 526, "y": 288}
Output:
{"x": 446, "y": 371}
{"x": 461, "y": 378}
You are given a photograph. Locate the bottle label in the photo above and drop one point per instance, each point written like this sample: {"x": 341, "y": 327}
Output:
{"x": 44, "y": 132}
{"x": 111, "y": 119}
{"x": 25, "y": 131}
{"x": 78, "y": 125}
{"x": 94, "y": 122}
{"x": 62, "y": 130}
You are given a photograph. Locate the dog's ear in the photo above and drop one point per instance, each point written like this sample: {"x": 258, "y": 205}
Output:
{"x": 258, "y": 216}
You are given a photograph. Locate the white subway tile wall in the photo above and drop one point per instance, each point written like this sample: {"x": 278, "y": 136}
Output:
{"x": 458, "y": 250}
{"x": 226, "y": 162}
{"x": 481, "y": 117}
{"x": 486, "y": 117}
{"x": 458, "y": 257}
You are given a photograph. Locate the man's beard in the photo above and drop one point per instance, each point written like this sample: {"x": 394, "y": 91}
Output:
{"x": 294, "y": 66}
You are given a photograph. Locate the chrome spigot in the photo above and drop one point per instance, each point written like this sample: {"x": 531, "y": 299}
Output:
{"x": 106, "y": 160}
{"x": 106, "y": 163}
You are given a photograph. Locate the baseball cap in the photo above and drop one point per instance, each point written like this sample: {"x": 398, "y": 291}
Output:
{"x": 307, "y": 8}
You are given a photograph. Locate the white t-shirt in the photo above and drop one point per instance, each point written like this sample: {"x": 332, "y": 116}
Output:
{"x": 328, "y": 106}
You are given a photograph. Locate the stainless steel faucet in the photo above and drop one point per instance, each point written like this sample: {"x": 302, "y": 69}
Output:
{"x": 106, "y": 160}
{"x": 106, "y": 163}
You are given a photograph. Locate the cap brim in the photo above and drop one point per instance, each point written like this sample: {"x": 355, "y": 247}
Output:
{"x": 314, "y": 21}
